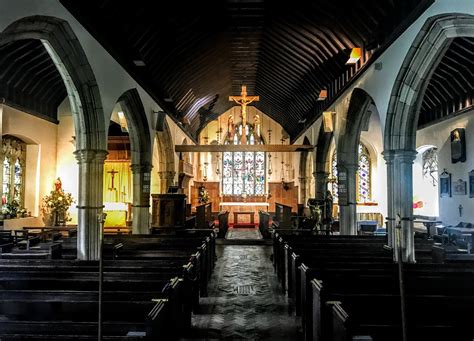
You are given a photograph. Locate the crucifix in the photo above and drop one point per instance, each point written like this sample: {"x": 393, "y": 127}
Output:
{"x": 244, "y": 100}
{"x": 112, "y": 173}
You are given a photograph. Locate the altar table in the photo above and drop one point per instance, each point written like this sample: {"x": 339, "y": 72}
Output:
{"x": 243, "y": 208}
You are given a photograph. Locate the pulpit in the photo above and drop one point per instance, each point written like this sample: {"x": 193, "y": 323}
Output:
{"x": 168, "y": 210}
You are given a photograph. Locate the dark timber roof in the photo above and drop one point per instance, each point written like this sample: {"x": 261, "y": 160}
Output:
{"x": 29, "y": 80}
{"x": 451, "y": 88}
{"x": 198, "y": 53}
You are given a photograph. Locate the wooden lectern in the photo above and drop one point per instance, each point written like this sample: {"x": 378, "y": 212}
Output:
{"x": 168, "y": 210}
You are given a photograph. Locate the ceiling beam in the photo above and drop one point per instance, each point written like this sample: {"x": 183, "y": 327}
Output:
{"x": 272, "y": 148}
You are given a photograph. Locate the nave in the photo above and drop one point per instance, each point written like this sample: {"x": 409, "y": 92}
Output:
{"x": 245, "y": 299}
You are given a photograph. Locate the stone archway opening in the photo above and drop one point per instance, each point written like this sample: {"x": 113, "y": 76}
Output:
{"x": 128, "y": 165}
{"x": 70, "y": 60}
{"x": 421, "y": 61}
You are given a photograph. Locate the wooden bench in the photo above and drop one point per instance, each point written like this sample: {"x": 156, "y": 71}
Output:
{"x": 151, "y": 298}
{"x": 282, "y": 219}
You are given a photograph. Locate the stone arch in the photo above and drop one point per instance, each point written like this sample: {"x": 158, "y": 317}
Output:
{"x": 141, "y": 154}
{"x": 357, "y": 118}
{"x": 323, "y": 163}
{"x": 406, "y": 98}
{"x": 66, "y": 52}
{"x": 305, "y": 179}
{"x": 166, "y": 156}
{"x": 418, "y": 66}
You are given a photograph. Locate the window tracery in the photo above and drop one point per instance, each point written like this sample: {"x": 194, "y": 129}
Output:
{"x": 363, "y": 179}
{"x": 13, "y": 154}
{"x": 243, "y": 172}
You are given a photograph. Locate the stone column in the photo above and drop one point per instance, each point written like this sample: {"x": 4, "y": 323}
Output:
{"x": 166, "y": 180}
{"x": 347, "y": 198}
{"x": 302, "y": 181}
{"x": 90, "y": 202}
{"x": 141, "y": 198}
{"x": 400, "y": 201}
{"x": 321, "y": 184}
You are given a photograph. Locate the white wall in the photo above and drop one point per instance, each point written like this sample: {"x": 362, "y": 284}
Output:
{"x": 439, "y": 136}
{"x": 67, "y": 168}
{"x": 40, "y": 136}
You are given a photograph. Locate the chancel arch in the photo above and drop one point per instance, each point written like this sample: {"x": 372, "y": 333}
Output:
{"x": 348, "y": 161}
{"x": 406, "y": 100}
{"x": 128, "y": 165}
{"x": 164, "y": 155}
{"x": 65, "y": 51}
{"x": 307, "y": 174}
{"x": 323, "y": 163}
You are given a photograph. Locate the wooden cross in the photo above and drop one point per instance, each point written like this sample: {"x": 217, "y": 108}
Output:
{"x": 244, "y": 100}
{"x": 112, "y": 173}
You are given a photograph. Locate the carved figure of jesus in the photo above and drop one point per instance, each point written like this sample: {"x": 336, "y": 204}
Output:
{"x": 243, "y": 100}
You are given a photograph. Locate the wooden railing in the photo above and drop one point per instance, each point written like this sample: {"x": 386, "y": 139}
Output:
{"x": 186, "y": 168}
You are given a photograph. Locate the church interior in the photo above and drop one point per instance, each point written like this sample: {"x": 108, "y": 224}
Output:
{"x": 228, "y": 170}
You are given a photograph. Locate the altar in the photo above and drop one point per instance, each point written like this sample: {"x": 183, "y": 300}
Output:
{"x": 239, "y": 210}
{"x": 117, "y": 214}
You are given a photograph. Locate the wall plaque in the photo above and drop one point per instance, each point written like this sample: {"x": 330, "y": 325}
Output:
{"x": 459, "y": 187}
{"x": 445, "y": 184}
{"x": 458, "y": 145}
{"x": 343, "y": 198}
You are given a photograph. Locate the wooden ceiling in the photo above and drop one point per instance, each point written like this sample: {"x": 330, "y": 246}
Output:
{"x": 29, "y": 80}
{"x": 198, "y": 53}
{"x": 451, "y": 87}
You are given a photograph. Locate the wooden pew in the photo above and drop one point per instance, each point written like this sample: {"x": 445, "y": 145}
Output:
{"x": 49, "y": 250}
{"x": 161, "y": 308}
{"x": 204, "y": 216}
{"x": 264, "y": 224}
{"x": 223, "y": 218}
{"x": 282, "y": 219}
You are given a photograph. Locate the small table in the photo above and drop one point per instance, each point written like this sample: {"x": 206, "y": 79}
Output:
{"x": 429, "y": 224}
{"x": 236, "y": 218}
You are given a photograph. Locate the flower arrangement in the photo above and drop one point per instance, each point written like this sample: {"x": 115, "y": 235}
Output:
{"x": 13, "y": 210}
{"x": 55, "y": 206}
{"x": 203, "y": 195}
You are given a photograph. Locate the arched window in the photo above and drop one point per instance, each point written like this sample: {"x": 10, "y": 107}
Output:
{"x": 243, "y": 172}
{"x": 364, "y": 175}
{"x": 430, "y": 165}
{"x": 364, "y": 178}
{"x": 13, "y": 166}
{"x": 334, "y": 186}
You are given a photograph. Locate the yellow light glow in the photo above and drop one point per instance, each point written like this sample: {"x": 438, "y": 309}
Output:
{"x": 356, "y": 53}
{"x": 123, "y": 121}
{"x": 323, "y": 94}
{"x": 328, "y": 121}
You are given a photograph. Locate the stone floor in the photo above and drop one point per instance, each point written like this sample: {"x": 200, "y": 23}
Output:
{"x": 245, "y": 301}
{"x": 243, "y": 233}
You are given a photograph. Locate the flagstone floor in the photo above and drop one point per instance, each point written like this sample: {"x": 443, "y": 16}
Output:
{"x": 245, "y": 301}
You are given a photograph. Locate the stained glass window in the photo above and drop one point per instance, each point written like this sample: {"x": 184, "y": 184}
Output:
{"x": 243, "y": 172}
{"x": 334, "y": 189}
{"x": 430, "y": 165}
{"x": 364, "y": 175}
{"x": 14, "y": 157}
{"x": 6, "y": 180}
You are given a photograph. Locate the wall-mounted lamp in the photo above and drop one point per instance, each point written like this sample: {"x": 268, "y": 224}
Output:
{"x": 323, "y": 94}
{"x": 204, "y": 172}
{"x": 356, "y": 53}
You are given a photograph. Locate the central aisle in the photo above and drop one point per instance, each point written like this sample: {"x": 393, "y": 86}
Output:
{"x": 244, "y": 301}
